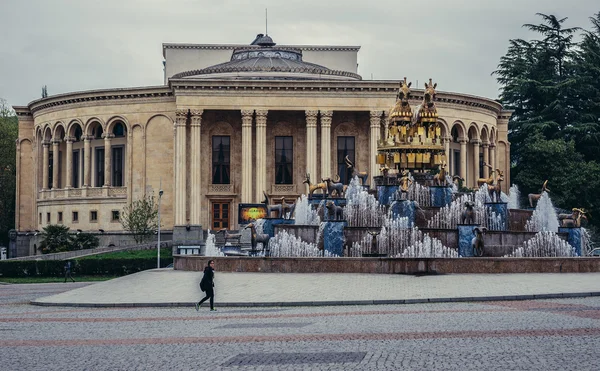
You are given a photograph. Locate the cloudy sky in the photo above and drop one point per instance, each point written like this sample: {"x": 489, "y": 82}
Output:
{"x": 74, "y": 45}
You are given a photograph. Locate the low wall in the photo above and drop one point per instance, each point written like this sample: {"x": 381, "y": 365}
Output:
{"x": 390, "y": 265}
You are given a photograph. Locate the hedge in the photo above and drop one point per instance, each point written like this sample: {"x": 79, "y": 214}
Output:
{"x": 84, "y": 267}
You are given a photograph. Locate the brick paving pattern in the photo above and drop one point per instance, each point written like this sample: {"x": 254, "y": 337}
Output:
{"x": 553, "y": 334}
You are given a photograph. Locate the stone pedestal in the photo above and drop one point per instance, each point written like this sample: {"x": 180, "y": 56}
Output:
{"x": 333, "y": 237}
{"x": 404, "y": 209}
{"x": 574, "y": 238}
{"x": 188, "y": 236}
{"x": 501, "y": 209}
{"x": 465, "y": 237}
{"x": 270, "y": 223}
{"x": 386, "y": 193}
{"x": 440, "y": 196}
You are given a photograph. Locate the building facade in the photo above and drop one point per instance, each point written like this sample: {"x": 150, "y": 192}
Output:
{"x": 230, "y": 122}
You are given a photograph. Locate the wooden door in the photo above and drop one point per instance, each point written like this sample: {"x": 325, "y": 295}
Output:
{"x": 220, "y": 215}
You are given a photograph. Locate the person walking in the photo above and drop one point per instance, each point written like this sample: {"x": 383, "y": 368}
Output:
{"x": 68, "y": 271}
{"x": 208, "y": 285}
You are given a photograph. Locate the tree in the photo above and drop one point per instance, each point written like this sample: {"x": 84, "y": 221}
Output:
{"x": 8, "y": 135}
{"x": 83, "y": 241}
{"x": 55, "y": 238}
{"x": 141, "y": 218}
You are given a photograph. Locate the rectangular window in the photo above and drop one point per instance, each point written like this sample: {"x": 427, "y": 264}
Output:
{"x": 50, "y": 170}
{"x": 82, "y": 162}
{"x": 117, "y": 166}
{"x": 40, "y": 219}
{"x": 220, "y": 159}
{"x": 345, "y": 147}
{"x": 59, "y": 170}
{"x": 75, "y": 216}
{"x": 99, "y": 166}
{"x": 481, "y": 165}
{"x": 456, "y": 158}
{"x": 48, "y": 218}
{"x": 115, "y": 215}
{"x": 93, "y": 216}
{"x": 60, "y": 217}
{"x": 284, "y": 160}
{"x": 75, "y": 175}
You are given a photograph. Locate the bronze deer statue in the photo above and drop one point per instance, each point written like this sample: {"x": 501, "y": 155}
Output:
{"x": 496, "y": 187}
{"x": 230, "y": 236}
{"x": 362, "y": 175}
{"x": 313, "y": 187}
{"x": 256, "y": 238}
{"x": 439, "y": 179}
{"x": 489, "y": 180}
{"x": 280, "y": 209}
{"x": 536, "y": 196}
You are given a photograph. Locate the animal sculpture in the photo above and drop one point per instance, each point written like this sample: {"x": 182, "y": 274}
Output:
{"x": 314, "y": 187}
{"x": 336, "y": 187}
{"x": 496, "y": 188}
{"x": 256, "y": 238}
{"x": 573, "y": 219}
{"x": 280, "y": 209}
{"x": 477, "y": 241}
{"x": 536, "y": 196}
{"x": 489, "y": 180}
{"x": 362, "y": 175}
{"x": 405, "y": 183}
{"x": 334, "y": 211}
{"x": 468, "y": 214}
{"x": 439, "y": 179}
{"x": 230, "y": 236}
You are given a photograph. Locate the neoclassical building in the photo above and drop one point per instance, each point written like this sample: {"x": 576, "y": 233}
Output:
{"x": 229, "y": 123}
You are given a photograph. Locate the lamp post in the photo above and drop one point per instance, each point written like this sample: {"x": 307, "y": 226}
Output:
{"x": 160, "y": 193}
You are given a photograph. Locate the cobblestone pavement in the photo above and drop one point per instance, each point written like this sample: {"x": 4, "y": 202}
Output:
{"x": 554, "y": 334}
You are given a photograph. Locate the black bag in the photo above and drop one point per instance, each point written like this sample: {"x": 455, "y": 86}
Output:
{"x": 202, "y": 286}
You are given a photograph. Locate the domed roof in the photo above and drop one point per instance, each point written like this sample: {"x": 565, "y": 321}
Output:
{"x": 261, "y": 60}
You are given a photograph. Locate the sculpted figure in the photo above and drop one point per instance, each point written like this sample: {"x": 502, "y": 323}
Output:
{"x": 258, "y": 238}
{"x": 573, "y": 219}
{"x": 536, "y": 196}
{"x": 468, "y": 214}
{"x": 334, "y": 211}
{"x": 405, "y": 183}
{"x": 314, "y": 187}
{"x": 336, "y": 187}
{"x": 439, "y": 179}
{"x": 362, "y": 175}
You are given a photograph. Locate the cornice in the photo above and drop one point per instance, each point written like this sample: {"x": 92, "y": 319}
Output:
{"x": 166, "y": 46}
{"x": 139, "y": 93}
{"x": 383, "y": 88}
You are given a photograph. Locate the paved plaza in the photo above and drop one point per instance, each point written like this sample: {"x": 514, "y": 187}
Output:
{"x": 550, "y": 334}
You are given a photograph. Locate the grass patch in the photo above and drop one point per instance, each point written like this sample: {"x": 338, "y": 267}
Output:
{"x": 142, "y": 254}
{"x": 54, "y": 279}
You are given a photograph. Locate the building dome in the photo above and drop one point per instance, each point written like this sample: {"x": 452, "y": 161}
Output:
{"x": 262, "y": 60}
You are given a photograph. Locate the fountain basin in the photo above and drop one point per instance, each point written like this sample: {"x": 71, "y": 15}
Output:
{"x": 391, "y": 265}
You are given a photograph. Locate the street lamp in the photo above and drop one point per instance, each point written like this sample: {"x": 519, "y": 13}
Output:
{"x": 160, "y": 193}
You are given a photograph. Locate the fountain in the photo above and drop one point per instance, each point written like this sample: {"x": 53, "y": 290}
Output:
{"x": 410, "y": 212}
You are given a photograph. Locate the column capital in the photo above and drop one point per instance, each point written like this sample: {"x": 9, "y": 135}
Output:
{"x": 476, "y": 141}
{"x": 180, "y": 117}
{"x": 46, "y": 143}
{"x": 326, "y": 114}
{"x": 375, "y": 114}
{"x": 196, "y": 118}
{"x": 69, "y": 139}
{"x": 447, "y": 139}
{"x": 247, "y": 112}
{"x": 196, "y": 112}
{"x": 463, "y": 140}
{"x": 87, "y": 138}
{"x": 485, "y": 143}
{"x": 311, "y": 113}
{"x": 108, "y": 136}
{"x": 261, "y": 113}
{"x": 261, "y": 118}
{"x": 56, "y": 141}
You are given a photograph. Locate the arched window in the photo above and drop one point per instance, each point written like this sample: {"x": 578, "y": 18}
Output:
{"x": 78, "y": 133}
{"x": 119, "y": 129}
{"x": 454, "y": 134}
{"x": 98, "y": 132}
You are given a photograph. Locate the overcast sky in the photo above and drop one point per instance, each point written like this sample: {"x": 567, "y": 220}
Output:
{"x": 74, "y": 45}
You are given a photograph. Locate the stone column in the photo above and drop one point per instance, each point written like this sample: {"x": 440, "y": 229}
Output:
{"x": 69, "y": 180}
{"x": 375, "y": 120}
{"x": 476, "y": 143}
{"x": 325, "y": 145}
{"x": 195, "y": 166}
{"x": 247, "y": 156}
{"x": 87, "y": 139}
{"x": 55, "y": 151}
{"x": 463, "y": 159}
{"x": 311, "y": 144}
{"x": 485, "y": 145}
{"x": 493, "y": 155}
{"x": 180, "y": 166}
{"x": 45, "y": 164}
{"x": 261, "y": 154}
{"x": 446, "y": 140}
{"x": 107, "y": 158}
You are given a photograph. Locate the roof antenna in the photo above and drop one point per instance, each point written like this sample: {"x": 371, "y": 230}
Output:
{"x": 266, "y": 22}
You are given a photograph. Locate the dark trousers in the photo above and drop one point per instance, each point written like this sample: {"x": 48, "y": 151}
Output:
{"x": 68, "y": 275}
{"x": 210, "y": 294}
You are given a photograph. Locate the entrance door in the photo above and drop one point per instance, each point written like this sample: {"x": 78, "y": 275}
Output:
{"x": 220, "y": 215}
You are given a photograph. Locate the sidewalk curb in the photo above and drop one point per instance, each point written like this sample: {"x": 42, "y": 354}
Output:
{"x": 324, "y": 303}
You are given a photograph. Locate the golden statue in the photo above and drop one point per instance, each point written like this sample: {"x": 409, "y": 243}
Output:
{"x": 405, "y": 183}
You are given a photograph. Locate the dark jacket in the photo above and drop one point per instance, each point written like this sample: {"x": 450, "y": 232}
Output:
{"x": 208, "y": 279}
